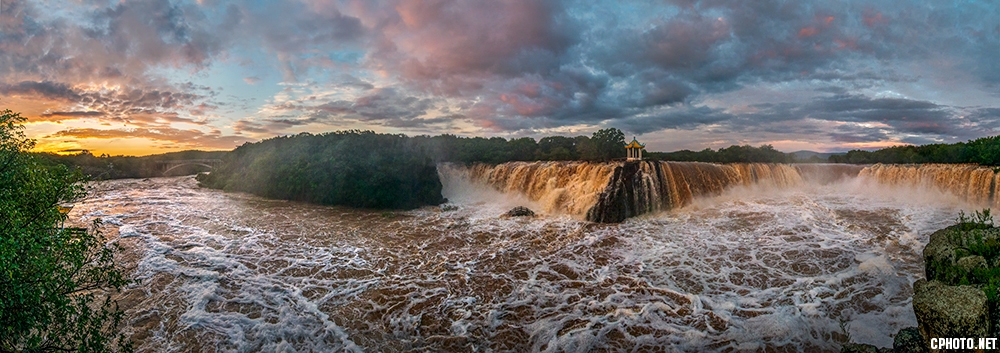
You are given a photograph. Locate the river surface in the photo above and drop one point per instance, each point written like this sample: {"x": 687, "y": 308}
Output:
{"x": 792, "y": 269}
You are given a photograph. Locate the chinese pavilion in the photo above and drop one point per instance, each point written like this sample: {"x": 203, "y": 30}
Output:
{"x": 634, "y": 150}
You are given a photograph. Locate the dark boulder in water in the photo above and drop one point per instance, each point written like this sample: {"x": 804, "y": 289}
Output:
{"x": 909, "y": 340}
{"x": 863, "y": 348}
{"x": 519, "y": 211}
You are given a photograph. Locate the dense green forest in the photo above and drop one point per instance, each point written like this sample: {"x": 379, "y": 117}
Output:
{"x": 603, "y": 145}
{"x": 350, "y": 168}
{"x": 983, "y": 151}
{"x": 366, "y": 169}
{"x": 116, "y": 167}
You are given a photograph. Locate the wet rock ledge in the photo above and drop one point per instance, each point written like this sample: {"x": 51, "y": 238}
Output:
{"x": 959, "y": 297}
{"x": 519, "y": 211}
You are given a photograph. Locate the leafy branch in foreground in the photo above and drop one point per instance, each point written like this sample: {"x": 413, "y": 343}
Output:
{"x": 55, "y": 282}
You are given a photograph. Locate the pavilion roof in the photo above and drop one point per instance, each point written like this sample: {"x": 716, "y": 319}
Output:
{"x": 635, "y": 144}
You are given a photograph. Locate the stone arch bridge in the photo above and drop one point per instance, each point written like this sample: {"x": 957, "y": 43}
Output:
{"x": 170, "y": 165}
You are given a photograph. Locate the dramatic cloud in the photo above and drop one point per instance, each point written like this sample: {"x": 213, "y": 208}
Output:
{"x": 829, "y": 76}
{"x": 42, "y": 90}
{"x": 185, "y": 138}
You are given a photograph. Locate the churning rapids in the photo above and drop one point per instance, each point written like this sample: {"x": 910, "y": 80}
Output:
{"x": 801, "y": 265}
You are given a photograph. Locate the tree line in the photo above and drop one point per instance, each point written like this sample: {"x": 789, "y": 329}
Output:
{"x": 731, "y": 154}
{"x": 983, "y": 151}
{"x": 603, "y": 145}
{"x": 119, "y": 167}
{"x": 371, "y": 170}
{"x": 350, "y": 168}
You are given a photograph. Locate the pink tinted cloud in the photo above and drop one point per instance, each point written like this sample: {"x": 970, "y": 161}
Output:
{"x": 442, "y": 39}
{"x": 808, "y": 32}
{"x": 524, "y": 107}
{"x": 680, "y": 43}
{"x": 117, "y": 45}
{"x": 874, "y": 18}
{"x": 820, "y": 23}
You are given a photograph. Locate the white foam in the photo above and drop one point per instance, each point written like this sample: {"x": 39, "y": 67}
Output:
{"x": 874, "y": 264}
{"x": 752, "y": 269}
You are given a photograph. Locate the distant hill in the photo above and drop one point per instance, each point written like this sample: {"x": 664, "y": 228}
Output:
{"x": 804, "y": 155}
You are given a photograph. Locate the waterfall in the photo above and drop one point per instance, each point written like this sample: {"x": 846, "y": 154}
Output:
{"x": 651, "y": 186}
{"x": 826, "y": 173}
{"x": 611, "y": 192}
{"x": 973, "y": 183}
{"x": 560, "y": 187}
{"x": 614, "y": 191}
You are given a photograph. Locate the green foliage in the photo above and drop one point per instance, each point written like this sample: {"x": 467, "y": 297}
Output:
{"x": 731, "y": 154}
{"x": 365, "y": 169}
{"x": 117, "y": 167}
{"x": 607, "y": 144}
{"x": 983, "y": 151}
{"x": 556, "y": 148}
{"x": 845, "y": 327}
{"x": 350, "y": 168}
{"x": 973, "y": 235}
{"x": 54, "y": 281}
{"x": 979, "y": 220}
{"x": 603, "y": 145}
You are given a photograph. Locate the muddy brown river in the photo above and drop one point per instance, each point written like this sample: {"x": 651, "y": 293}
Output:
{"x": 784, "y": 269}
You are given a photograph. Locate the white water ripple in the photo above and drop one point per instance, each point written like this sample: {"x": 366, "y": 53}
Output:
{"x": 754, "y": 268}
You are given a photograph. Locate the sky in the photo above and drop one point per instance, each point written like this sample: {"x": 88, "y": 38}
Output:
{"x": 152, "y": 76}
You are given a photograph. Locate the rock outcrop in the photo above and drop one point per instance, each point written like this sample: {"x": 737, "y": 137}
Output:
{"x": 863, "y": 348}
{"x": 519, "y": 211}
{"x": 615, "y": 203}
{"x": 961, "y": 265}
{"x": 909, "y": 340}
{"x": 950, "y": 311}
{"x": 639, "y": 187}
{"x": 958, "y": 298}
